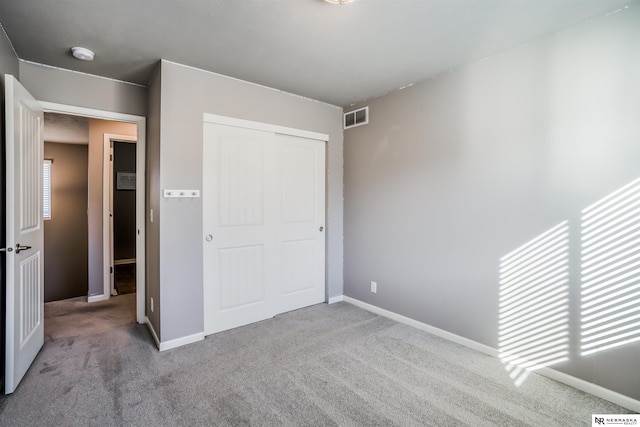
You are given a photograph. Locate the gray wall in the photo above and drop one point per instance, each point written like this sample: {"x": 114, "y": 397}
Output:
{"x": 455, "y": 172}
{"x": 65, "y": 234}
{"x": 82, "y": 90}
{"x": 124, "y": 203}
{"x": 8, "y": 58}
{"x": 187, "y": 93}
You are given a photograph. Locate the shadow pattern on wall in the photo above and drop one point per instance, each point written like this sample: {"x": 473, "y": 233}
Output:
{"x": 533, "y": 327}
{"x": 534, "y": 304}
{"x": 610, "y": 267}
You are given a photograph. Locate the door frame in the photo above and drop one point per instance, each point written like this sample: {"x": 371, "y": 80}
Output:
{"x": 140, "y": 121}
{"x": 107, "y": 208}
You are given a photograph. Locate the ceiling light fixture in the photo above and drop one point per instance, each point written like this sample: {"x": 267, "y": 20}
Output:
{"x": 82, "y": 53}
{"x": 338, "y": 1}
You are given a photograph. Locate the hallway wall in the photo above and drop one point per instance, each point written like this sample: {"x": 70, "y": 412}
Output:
{"x": 65, "y": 234}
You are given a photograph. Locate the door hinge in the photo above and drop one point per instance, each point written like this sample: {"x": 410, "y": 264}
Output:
{"x": 111, "y": 270}
{"x": 111, "y": 157}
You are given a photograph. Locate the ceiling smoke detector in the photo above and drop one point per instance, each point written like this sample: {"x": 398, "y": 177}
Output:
{"x": 82, "y": 53}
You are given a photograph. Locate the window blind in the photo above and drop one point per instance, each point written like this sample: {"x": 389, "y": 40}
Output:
{"x": 46, "y": 189}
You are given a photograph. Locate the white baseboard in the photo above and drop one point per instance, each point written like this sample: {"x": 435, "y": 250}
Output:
{"x": 423, "y": 326}
{"x": 153, "y": 331}
{"x": 96, "y": 298}
{"x": 333, "y": 300}
{"x": 124, "y": 261}
{"x": 179, "y": 342}
{"x": 594, "y": 389}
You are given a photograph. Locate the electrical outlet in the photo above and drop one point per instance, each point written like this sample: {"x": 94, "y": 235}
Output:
{"x": 374, "y": 287}
{"x": 152, "y": 304}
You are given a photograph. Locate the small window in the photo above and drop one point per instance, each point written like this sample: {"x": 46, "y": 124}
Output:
{"x": 46, "y": 189}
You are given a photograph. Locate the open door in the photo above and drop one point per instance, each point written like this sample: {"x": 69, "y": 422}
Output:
{"x": 25, "y": 233}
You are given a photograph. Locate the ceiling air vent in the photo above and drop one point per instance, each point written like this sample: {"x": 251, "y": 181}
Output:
{"x": 357, "y": 117}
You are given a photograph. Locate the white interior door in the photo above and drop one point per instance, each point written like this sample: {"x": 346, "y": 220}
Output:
{"x": 25, "y": 237}
{"x": 238, "y": 246}
{"x": 301, "y": 219}
{"x": 263, "y": 220}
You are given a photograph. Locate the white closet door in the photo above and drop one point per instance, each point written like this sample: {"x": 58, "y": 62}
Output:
{"x": 238, "y": 248}
{"x": 263, "y": 221}
{"x": 301, "y": 215}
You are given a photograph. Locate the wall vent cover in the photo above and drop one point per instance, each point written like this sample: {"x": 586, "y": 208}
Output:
{"x": 357, "y": 117}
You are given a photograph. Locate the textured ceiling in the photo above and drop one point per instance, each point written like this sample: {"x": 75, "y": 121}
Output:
{"x": 337, "y": 54}
{"x": 66, "y": 129}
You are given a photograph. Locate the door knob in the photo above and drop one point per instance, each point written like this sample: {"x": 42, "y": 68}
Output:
{"x": 208, "y": 238}
{"x": 20, "y": 248}
{"x": 321, "y": 228}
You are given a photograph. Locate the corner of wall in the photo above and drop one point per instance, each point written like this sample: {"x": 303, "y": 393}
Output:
{"x": 8, "y": 57}
{"x": 152, "y": 213}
